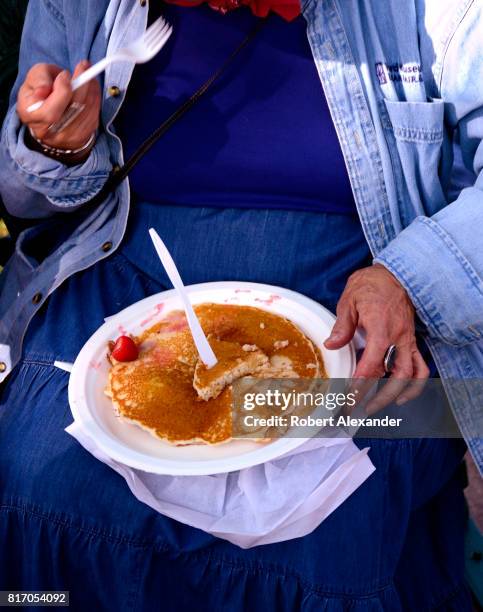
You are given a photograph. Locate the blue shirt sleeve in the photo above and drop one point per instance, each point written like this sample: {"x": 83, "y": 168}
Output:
{"x": 32, "y": 184}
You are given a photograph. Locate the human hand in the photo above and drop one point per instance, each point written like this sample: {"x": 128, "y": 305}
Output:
{"x": 375, "y": 301}
{"x": 50, "y": 85}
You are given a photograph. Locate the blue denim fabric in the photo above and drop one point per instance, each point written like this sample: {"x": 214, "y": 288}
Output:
{"x": 69, "y": 522}
{"x": 402, "y": 81}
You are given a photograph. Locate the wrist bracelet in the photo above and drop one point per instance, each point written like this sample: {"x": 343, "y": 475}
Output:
{"x": 62, "y": 153}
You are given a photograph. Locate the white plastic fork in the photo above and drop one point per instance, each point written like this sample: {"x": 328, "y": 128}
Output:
{"x": 203, "y": 347}
{"x": 140, "y": 51}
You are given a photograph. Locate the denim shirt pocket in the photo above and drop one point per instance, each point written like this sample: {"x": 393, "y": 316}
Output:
{"x": 415, "y": 135}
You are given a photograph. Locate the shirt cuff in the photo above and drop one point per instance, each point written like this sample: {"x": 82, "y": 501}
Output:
{"x": 442, "y": 284}
{"x": 64, "y": 186}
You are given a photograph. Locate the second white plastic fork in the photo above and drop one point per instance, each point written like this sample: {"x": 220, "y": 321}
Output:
{"x": 140, "y": 51}
{"x": 205, "y": 351}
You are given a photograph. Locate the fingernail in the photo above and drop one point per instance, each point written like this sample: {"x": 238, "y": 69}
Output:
{"x": 401, "y": 400}
{"x": 35, "y": 106}
{"x": 64, "y": 75}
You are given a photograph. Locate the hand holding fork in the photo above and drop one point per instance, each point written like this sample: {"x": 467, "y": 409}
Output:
{"x": 64, "y": 113}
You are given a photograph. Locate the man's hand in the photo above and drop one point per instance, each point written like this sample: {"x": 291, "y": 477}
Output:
{"x": 375, "y": 301}
{"x": 51, "y": 85}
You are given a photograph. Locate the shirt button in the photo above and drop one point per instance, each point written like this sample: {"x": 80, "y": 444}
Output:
{"x": 142, "y": 2}
{"x": 37, "y": 298}
{"x": 107, "y": 246}
{"x": 114, "y": 91}
{"x": 3, "y": 366}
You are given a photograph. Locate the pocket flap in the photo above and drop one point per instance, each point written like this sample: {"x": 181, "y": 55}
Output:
{"x": 417, "y": 121}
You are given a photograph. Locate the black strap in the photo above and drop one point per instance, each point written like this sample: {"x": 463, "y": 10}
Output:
{"x": 119, "y": 173}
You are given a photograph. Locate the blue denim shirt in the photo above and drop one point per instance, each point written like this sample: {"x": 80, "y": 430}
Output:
{"x": 404, "y": 83}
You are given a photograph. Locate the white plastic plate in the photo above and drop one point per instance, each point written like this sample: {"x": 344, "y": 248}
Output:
{"x": 137, "y": 448}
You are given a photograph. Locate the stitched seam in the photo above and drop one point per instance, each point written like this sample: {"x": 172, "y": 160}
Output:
{"x": 418, "y": 134}
{"x": 375, "y": 157}
{"x": 304, "y": 5}
{"x": 91, "y": 177}
{"x": 51, "y": 181}
{"x": 343, "y": 129}
{"x": 87, "y": 178}
{"x": 450, "y": 39}
{"x": 44, "y": 364}
{"x": 207, "y": 555}
{"x": 78, "y": 199}
{"x": 54, "y": 11}
{"x": 88, "y": 531}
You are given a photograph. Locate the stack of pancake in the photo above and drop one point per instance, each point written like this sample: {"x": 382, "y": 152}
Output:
{"x": 169, "y": 392}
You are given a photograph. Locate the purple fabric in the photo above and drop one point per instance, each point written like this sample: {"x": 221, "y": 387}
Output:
{"x": 261, "y": 138}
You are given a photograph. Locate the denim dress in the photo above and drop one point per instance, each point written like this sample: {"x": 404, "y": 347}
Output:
{"x": 69, "y": 522}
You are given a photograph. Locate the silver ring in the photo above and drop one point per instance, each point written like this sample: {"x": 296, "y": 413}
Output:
{"x": 70, "y": 114}
{"x": 390, "y": 358}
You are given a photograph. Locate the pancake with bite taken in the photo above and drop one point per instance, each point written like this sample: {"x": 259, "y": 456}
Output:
{"x": 169, "y": 392}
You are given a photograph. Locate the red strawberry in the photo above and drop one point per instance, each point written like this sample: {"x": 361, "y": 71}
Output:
{"x": 125, "y": 349}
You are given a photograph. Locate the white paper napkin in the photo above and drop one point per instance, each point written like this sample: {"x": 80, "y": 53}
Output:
{"x": 280, "y": 500}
